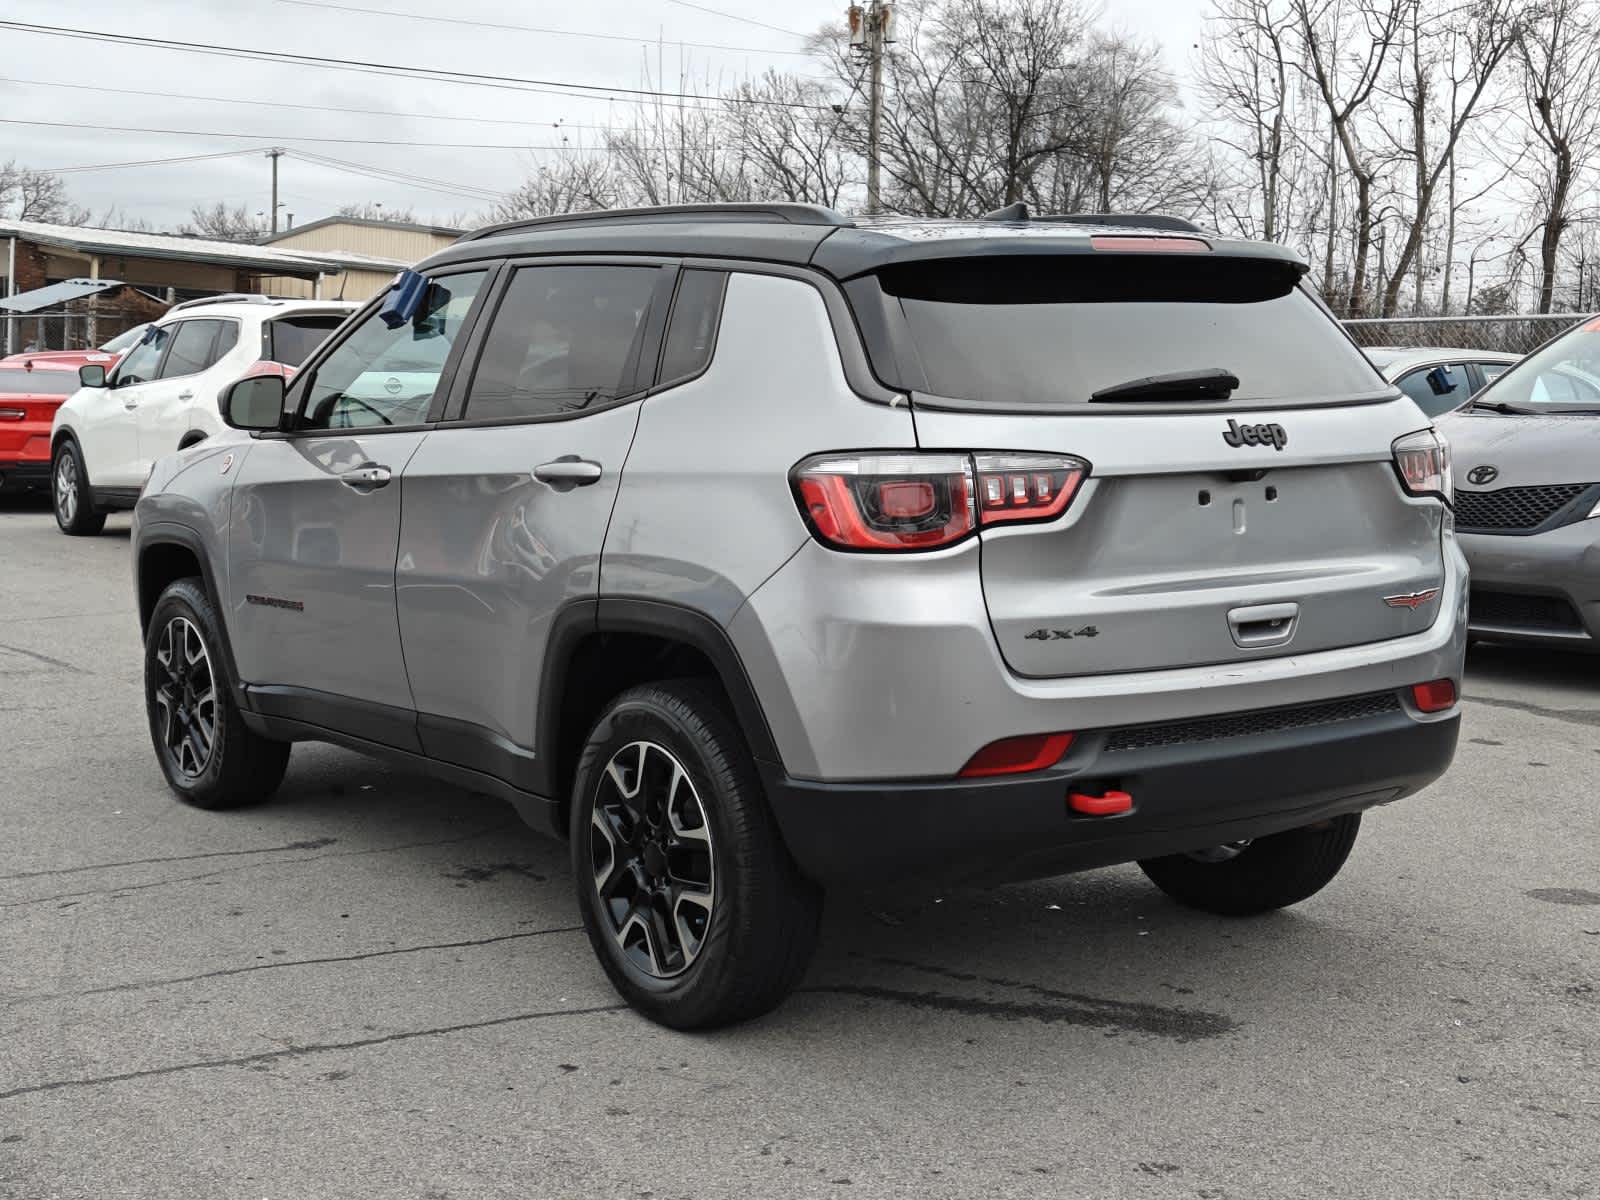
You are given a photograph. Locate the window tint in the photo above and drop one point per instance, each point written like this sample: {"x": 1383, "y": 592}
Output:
{"x": 192, "y": 342}
{"x": 564, "y": 338}
{"x": 227, "y": 339}
{"x": 693, "y": 332}
{"x": 383, "y": 376}
{"x": 39, "y": 383}
{"x": 1046, "y": 332}
{"x": 291, "y": 340}
{"x": 141, "y": 362}
{"x": 1438, "y": 389}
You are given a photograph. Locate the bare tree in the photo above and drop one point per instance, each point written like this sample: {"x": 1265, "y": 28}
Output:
{"x": 30, "y": 195}
{"x": 1560, "y": 51}
{"x": 1448, "y": 61}
{"x": 223, "y": 223}
{"x": 1344, "y": 45}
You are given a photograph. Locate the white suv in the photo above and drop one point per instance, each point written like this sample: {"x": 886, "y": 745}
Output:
{"x": 162, "y": 395}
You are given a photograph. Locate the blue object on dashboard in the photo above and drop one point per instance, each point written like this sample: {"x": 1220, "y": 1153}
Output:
{"x": 405, "y": 294}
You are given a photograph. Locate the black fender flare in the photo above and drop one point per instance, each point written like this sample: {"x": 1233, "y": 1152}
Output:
{"x": 672, "y": 622}
{"x": 170, "y": 533}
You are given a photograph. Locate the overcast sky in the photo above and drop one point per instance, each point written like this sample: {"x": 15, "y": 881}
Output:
{"x": 224, "y": 95}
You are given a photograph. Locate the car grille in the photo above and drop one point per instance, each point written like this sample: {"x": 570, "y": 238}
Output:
{"x": 1514, "y": 509}
{"x": 1514, "y": 610}
{"x": 1248, "y": 724}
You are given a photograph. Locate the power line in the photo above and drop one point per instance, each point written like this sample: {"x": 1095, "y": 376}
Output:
{"x": 389, "y": 176}
{"x": 350, "y": 141}
{"x": 370, "y": 112}
{"x": 609, "y": 37}
{"x": 436, "y": 74}
{"x": 152, "y": 162}
{"x": 717, "y": 12}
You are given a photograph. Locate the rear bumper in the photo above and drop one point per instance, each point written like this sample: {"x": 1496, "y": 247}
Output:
{"x": 1186, "y": 797}
{"x": 23, "y": 474}
{"x": 1541, "y": 589}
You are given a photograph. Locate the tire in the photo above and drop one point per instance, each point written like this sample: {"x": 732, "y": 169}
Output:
{"x": 235, "y": 766}
{"x": 70, "y": 497}
{"x": 663, "y": 847}
{"x": 1267, "y": 873}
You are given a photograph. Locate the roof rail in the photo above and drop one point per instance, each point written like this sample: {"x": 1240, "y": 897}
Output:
{"x": 789, "y": 214}
{"x": 223, "y": 298}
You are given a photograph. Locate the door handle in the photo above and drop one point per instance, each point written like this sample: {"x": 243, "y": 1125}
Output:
{"x": 1263, "y": 625}
{"x": 367, "y": 478}
{"x": 185, "y": 395}
{"x": 567, "y": 472}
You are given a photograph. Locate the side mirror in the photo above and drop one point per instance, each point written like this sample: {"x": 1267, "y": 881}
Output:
{"x": 92, "y": 375}
{"x": 254, "y": 403}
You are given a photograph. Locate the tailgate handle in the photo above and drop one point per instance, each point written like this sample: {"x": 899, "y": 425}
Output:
{"x": 1263, "y": 625}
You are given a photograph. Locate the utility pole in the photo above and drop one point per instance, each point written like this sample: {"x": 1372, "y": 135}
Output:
{"x": 275, "y": 154}
{"x": 870, "y": 28}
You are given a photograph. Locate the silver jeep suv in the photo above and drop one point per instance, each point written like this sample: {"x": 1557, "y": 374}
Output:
{"x": 755, "y": 549}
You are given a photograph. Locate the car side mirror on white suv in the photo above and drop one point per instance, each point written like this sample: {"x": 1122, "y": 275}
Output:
{"x": 92, "y": 375}
{"x": 253, "y": 403}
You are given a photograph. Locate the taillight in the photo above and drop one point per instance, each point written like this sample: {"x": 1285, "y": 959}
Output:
{"x": 1423, "y": 463}
{"x": 924, "y": 501}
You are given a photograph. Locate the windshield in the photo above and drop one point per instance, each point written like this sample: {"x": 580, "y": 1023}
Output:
{"x": 123, "y": 340}
{"x": 1047, "y": 333}
{"x": 1562, "y": 377}
{"x": 38, "y": 383}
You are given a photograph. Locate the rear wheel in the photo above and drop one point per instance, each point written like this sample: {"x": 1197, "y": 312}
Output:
{"x": 691, "y": 901}
{"x": 210, "y": 758}
{"x": 1255, "y": 876}
{"x": 69, "y": 492}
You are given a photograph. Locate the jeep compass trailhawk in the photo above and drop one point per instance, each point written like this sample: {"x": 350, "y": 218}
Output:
{"x": 754, "y": 549}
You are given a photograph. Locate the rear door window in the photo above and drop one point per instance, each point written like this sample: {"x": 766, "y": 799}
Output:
{"x": 564, "y": 339}
{"x": 193, "y": 346}
{"x": 1493, "y": 370}
{"x": 1044, "y": 333}
{"x": 290, "y": 340}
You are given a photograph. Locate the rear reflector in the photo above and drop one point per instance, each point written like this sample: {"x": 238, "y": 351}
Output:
{"x": 1160, "y": 245}
{"x": 1014, "y": 756}
{"x": 1435, "y": 696}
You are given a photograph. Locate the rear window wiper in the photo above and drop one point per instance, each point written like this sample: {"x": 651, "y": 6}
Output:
{"x": 1213, "y": 383}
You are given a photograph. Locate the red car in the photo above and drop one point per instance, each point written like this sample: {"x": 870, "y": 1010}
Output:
{"x": 31, "y": 389}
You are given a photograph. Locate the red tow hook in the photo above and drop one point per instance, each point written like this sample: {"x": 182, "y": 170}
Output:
{"x": 1108, "y": 804}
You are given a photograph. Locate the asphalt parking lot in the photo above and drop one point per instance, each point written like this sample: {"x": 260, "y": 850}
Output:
{"x": 375, "y": 986}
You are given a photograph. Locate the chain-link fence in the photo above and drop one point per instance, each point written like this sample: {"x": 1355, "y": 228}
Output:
{"x": 62, "y": 330}
{"x": 1513, "y": 335}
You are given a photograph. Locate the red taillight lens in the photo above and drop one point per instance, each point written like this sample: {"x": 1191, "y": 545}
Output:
{"x": 1435, "y": 696}
{"x": 1026, "y": 487}
{"x": 1162, "y": 245}
{"x": 924, "y": 501}
{"x": 1013, "y": 756}
{"x": 1423, "y": 462}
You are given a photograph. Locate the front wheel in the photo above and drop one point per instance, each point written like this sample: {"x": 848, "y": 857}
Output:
{"x": 1255, "y": 876}
{"x": 689, "y": 896}
{"x": 69, "y": 493}
{"x": 208, "y": 754}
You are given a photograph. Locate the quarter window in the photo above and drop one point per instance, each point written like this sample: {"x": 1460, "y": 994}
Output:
{"x": 380, "y": 376}
{"x": 564, "y": 339}
{"x": 693, "y": 332}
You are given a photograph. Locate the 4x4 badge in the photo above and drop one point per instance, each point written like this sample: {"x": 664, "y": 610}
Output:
{"x": 1255, "y": 435}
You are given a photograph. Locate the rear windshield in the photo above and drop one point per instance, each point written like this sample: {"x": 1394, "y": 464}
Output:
{"x": 292, "y": 339}
{"x": 1046, "y": 333}
{"x": 38, "y": 383}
